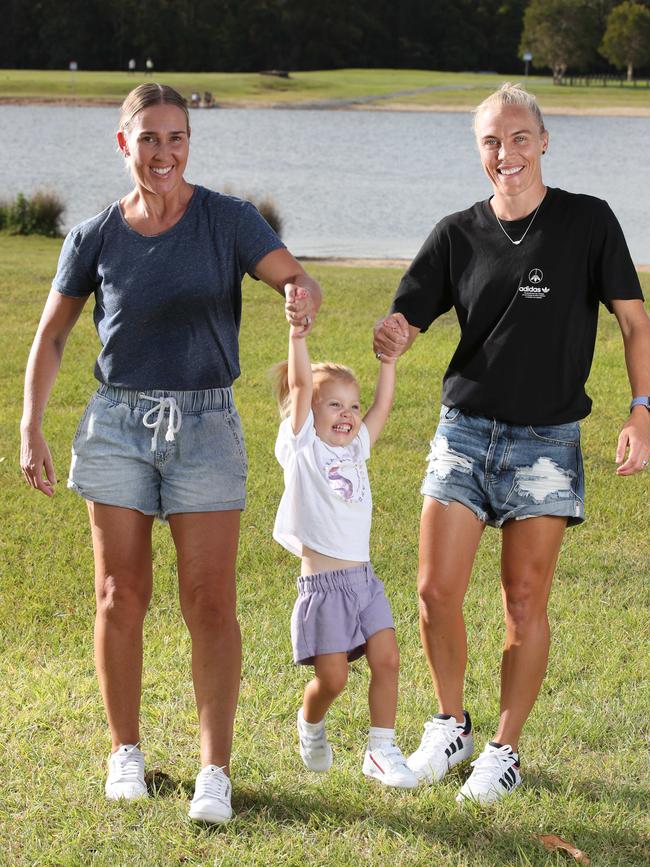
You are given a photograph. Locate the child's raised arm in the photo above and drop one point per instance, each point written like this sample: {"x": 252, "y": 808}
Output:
{"x": 299, "y": 370}
{"x": 375, "y": 418}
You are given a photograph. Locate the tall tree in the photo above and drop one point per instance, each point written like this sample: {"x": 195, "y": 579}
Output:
{"x": 560, "y": 34}
{"x": 626, "y": 42}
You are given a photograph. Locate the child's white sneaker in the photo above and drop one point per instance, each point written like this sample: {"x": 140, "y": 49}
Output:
{"x": 495, "y": 774}
{"x": 126, "y": 774}
{"x": 387, "y": 764}
{"x": 211, "y": 801}
{"x": 445, "y": 743}
{"x": 315, "y": 750}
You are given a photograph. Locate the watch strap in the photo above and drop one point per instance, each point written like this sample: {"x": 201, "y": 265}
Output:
{"x": 644, "y": 400}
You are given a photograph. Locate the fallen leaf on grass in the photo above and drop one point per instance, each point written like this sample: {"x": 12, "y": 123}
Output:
{"x": 553, "y": 843}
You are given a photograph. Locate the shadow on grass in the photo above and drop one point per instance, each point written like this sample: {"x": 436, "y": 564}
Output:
{"x": 468, "y": 831}
{"x": 161, "y": 785}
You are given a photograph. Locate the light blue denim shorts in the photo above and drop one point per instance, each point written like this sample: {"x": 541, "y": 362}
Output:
{"x": 160, "y": 452}
{"x": 503, "y": 471}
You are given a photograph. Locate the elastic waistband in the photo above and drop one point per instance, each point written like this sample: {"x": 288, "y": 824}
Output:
{"x": 203, "y": 400}
{"x": 336, "y": 579}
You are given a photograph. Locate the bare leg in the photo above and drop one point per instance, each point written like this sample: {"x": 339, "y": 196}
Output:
{"x": 206, "y": 547}
{"x": 330, "y": 678}
{"x": 449, "y": 538}
{"x": 382, "y": 654}
{"x": 123, "y": 580}
{"x": 528, "y": 558}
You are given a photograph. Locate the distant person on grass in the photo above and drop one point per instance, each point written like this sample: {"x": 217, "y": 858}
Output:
{"x": 525, "y": 271}
{"x": 324, "y": 518}
{"x": 161, "y": 436}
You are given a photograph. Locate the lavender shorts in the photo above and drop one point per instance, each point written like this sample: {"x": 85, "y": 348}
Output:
{"x": 337, "y": 612}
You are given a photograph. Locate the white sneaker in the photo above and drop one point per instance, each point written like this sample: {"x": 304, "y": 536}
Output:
{"x": 126, "y": 774}
{"x": 387, "y": 764}
{"x": 495, "y": 774}
{"x": 445, "y": 743}
{"x": 315, "y": 750}
{"x": 211, "y": 801}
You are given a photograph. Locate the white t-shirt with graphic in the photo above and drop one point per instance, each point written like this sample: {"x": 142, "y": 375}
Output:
{"x": 326, "y": 504}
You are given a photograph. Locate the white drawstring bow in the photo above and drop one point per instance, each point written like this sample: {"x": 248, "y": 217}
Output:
{"x": 175, "y": 418}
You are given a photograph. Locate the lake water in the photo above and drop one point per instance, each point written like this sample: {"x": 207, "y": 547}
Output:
{"x": 347, "y": 183}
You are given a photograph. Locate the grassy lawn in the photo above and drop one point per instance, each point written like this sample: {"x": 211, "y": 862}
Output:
{"x": 584, "y": 755}
{"x": 462, "y": 89}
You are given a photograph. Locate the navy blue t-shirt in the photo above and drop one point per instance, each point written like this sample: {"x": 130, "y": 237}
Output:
{"x": 528, "y": 312}
{"x": 168, "y": 307}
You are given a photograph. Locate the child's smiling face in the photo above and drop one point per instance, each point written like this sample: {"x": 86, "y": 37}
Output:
{"x": 337, "y": 411}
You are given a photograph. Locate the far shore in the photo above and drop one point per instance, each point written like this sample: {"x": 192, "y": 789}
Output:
{"x": 336, "y": 105}
{"x": 351, "y": 262}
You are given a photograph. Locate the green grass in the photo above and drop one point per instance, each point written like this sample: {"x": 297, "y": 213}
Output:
{"x": 584, "y": 754}
{"x": 465, "y": 89}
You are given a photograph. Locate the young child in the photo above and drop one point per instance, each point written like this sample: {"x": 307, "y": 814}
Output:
{"x": 324, "y": 518}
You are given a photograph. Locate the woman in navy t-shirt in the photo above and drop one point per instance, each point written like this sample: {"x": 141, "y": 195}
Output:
{"x": 161, "y": 436}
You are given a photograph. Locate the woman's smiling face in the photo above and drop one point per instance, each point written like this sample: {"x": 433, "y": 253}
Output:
{"x": 511, "y": 145}
{"x": 157, "y": 143}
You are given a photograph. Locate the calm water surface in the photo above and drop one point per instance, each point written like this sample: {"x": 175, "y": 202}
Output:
{"x": 347, "y": 183}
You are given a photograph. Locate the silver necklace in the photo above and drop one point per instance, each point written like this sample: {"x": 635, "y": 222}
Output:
{"x": 532, "y": 219}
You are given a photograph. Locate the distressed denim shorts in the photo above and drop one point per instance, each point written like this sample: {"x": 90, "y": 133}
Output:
{"x": 337, "y": 612}
{"x": 502, "y": 471}
{"x": 160, "y": 452}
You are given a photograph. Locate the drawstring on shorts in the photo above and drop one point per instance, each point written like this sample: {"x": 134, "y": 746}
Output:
{"x": 175, "y": 417}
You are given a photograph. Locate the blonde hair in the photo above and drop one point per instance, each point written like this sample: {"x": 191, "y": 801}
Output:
{"x": 321, "y": 372}
{"x": 148, "y": 94}
{"x": 511, "y": 94}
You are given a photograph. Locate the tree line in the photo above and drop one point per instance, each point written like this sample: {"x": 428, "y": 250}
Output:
{"x": 254, "y": 35}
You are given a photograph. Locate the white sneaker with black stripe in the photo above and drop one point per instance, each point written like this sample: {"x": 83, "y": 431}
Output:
{"x": 495, "y": 774}
{"x": 445, "y": 743}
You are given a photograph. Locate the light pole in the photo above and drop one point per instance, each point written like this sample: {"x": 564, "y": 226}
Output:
{"x": 527, "y": 57}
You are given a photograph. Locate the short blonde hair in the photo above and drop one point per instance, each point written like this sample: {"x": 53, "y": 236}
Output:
{"x": 321, "y": 372}
{"x": 148, "y": 94}
{"x": 511, "y": 94}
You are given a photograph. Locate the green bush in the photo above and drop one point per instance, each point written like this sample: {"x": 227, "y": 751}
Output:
{"x": 269, "y": 210}
{"x": 39, "y": 215}
{"x": 266, "y": 206}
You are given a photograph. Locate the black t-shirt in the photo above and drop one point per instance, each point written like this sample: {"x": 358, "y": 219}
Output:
{"x": 528, "y": 313}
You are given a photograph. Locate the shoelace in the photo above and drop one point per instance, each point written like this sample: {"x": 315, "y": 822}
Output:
{"x": 489, "y": 764}
{"x": 175, "y": 417}
{"x": 130, "y": 765}
{"x": 214, "y": 784}
{"x": 437, "y": 733}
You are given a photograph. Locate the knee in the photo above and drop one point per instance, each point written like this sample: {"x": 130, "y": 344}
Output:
{"x": 122, "y": 599}
{"x": 437, "y": 598}
{"x": 204, "y": 607}
{"x": 386, "y": 663}
{"x": 524, "y": 606}
{"x": 333, "y": 682}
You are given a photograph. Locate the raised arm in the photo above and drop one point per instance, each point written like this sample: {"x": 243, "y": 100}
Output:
{"x": 60, "y": 314}
{"x": 279, "y": 269}
{"x": 299, "y": 369}
{"x": 634, "y": 439}
{"x": 376, "y": 417}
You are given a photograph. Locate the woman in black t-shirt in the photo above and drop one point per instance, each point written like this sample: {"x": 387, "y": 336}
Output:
{"x": 525, "y": 272}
